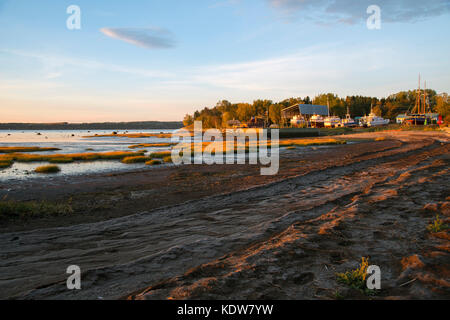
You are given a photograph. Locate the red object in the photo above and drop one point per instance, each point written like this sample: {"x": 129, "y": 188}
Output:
{"x": 440, "y": 120}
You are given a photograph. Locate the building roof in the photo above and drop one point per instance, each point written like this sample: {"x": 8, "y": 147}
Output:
{"x": 310, "y": 109}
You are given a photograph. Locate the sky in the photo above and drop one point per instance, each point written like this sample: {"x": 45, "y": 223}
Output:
{"x": 160, "y": 59}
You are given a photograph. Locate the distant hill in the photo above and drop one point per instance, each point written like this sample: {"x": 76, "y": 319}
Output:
{"x": 141, "y": 125}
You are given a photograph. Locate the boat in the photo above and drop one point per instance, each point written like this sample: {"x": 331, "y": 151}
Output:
{"x": 316, "y": 121}
{"x": 372, "y": 120}
{"x": 331, "y": 121}
{"x": 348, "y": 121}
{"x": 418, "y": 117}
{"x": 298, "y": 121}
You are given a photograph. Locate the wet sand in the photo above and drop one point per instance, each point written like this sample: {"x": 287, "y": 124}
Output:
{"x": 220, "y": 232}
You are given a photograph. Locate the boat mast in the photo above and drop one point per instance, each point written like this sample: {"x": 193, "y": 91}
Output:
{"x": 328, "y": 106}
{"x": 425, "y": 98}
{"x": 418, "y": 98}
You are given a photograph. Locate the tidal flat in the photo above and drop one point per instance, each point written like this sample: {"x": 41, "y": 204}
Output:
{"x": 211, "y": 232}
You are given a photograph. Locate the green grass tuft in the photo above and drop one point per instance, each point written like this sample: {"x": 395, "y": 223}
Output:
{"x": 356, "y": 279}
{"x": 437, "y": 226}
{"x": 161, "y": 154}
{"x": 47, "y": 169}
{"x": 168, "y": 159}
{"x": 138, "y": 159}
{"x": 153, "y": 162}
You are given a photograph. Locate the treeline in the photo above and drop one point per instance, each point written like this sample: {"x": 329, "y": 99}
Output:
{"x": 402, "y": 102}
{"x": 139, "y": 125}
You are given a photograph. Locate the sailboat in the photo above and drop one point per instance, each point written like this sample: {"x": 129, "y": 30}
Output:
{"x": 331, "y": 121}
{"x": 418, "y": 115}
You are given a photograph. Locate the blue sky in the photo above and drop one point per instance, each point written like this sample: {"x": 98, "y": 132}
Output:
{"x": 158, "y": 60}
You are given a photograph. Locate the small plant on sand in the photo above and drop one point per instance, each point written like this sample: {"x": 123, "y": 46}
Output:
{"x": 139, "y": 159}
{"x": 47, "y": 169}
{"x": 356, "y": 279}
{"x": 153, "y": 162}
{"x": 437, "y": 226}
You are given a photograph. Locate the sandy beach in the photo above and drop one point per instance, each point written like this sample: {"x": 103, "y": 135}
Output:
{"x": 225, "y": 231}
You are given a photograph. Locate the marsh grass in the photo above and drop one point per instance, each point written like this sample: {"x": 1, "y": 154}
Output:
{"x": 25, "y": 149}
{"x": 10, "y": 210}
{"x": 153, "y": 162}
{"x": 137, "y": 159}
{"x": 247, "y": 147}
{"x": 5, "y": 164}
{"x": 61, "y": 160}
{"x": 437, "y": 225}
{"x": 310, "y": 142}
{"x": 168, "y": 159}
{"x": 132, "y": 135}
{"x": 47, "y": 169}
{"x": 150, "y": 145}
{"x": 161, "y": 154}
{"x": 67, "y": 158}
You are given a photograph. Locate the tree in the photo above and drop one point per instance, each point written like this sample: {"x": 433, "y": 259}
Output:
{"x": 244, "y": 112}
{"x": 188, "y": 120}
{"x": 443, "y": 107}
{"x": 337, "y": 105}
{"x": 226, "y": 116}
{"x": 275, "y": 113}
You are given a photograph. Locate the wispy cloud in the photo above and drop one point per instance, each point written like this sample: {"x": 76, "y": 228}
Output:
{"x": 150, "y": 38}
{"x": 57, "y": 62}
{"x": 351, "y": 11}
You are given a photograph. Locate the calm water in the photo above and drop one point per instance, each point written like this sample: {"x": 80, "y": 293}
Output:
{"x": 73, "y": 142}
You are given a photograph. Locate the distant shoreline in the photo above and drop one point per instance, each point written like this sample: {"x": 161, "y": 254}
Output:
{"x": 139, "y": 125}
